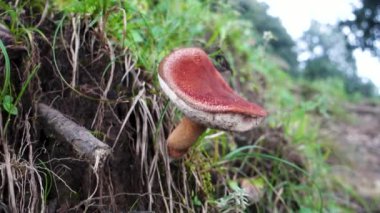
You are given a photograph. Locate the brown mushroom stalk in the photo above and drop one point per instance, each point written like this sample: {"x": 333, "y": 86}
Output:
{"x": 190, "y": 80}
{"x": 183, "y": 137}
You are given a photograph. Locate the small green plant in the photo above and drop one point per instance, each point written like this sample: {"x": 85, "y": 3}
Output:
{"x": 9, "y": 106}
{"x": 5, "y": 98}
{"x": 48, "y": 179}
{"x": 236, "y": 201}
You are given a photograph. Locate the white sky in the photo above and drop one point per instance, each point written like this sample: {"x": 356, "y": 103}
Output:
{"x": 296, "y": 16}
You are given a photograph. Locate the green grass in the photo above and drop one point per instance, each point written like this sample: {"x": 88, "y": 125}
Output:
{"x": 151, "y": 31}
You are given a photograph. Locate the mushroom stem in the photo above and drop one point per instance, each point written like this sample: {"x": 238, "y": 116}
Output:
{"x": 183, "y": 137}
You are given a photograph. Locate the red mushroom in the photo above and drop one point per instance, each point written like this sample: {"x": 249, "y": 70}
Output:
{"x": 190, "y": 80}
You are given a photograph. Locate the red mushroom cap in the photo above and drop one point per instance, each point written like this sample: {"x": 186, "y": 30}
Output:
{"x": 191, "y": 75}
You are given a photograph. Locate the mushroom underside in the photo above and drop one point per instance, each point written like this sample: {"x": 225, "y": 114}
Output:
{"x": 224, "y": 121}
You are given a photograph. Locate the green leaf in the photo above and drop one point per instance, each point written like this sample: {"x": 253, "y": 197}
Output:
{"x": 306, "y": 210}
{"x": 9, "y": 106}
{"x": 196, "y": 201}
{"x": 234, "y": 186}
{"x": 137, "y": 36}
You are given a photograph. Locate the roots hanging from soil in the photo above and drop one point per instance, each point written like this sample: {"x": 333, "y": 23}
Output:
{"x": 95, "y": 92}
{"x": 93, "y": 82}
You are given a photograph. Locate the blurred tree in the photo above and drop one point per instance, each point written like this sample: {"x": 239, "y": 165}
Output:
{"x": 328, "y": 55}
{"x": 282, "y": 45}
{"x": 327, "y": 44}
{"x": 321, "y": 67}
{"x": 365, "y": 27}
{"x": 355, "y": 84}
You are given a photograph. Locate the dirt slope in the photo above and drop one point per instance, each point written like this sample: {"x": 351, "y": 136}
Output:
{"x": 356, "y": 145}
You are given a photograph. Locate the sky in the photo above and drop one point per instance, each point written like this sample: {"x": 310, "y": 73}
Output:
{"x": 296, "y": 16}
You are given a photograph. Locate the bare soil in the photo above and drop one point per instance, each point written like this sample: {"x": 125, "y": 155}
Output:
{"x": 356, "y": 148}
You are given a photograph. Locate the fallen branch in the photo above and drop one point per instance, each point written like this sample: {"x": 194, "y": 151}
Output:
{"x": 84, "y": 143}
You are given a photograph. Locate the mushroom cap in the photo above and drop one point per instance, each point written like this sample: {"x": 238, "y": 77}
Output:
{"x": 194, "y": 85}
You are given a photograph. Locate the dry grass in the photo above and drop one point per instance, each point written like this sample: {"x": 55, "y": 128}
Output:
{"x": 104, "y": 79}
{"x": 132, "y": 117}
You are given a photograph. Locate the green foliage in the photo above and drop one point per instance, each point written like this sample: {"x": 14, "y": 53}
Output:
{"x": 327, "y": 44}
{"x": 9, "y": 106}
{"x": 236, "y": 201}
{"x": 321, "y": 68}
{"x": 84, "y": 7}
{"x": 151, "y": 35}
{"x": 282, "y": 44}
{"x": 150, "y": 29}
{"x": 48, "y": 179}
{"x": 8, "y": 98}
{"x": 364, "y": 87}
{"x": 330, "y": 57}
{"x": 5, "y": 97}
